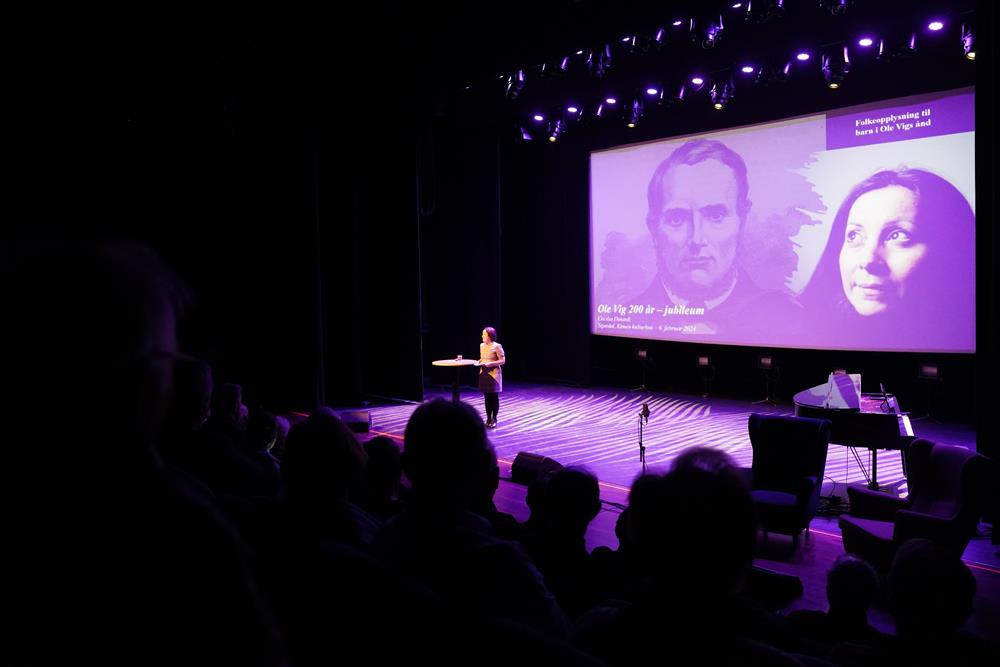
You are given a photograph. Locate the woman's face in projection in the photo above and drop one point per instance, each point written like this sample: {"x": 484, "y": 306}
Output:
{"x": 882, "y": 247}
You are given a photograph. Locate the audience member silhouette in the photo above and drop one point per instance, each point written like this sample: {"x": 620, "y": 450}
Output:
{"x": 502, "y": 524}
{"x": 179, "y": 442}
{"x": 440, "y": 541}
{"x": 852, "y": 585}
{"x": 383, "y": 489}
{"x": 108, "y": 560}
{"x": 261, "y": 434}
{"x": 220, "y": 458}
{"x": 570, "y": 499}
{"x": 932, "y": 592}
{"x": 694, "y": 531}
{"x": 324, "y": 476}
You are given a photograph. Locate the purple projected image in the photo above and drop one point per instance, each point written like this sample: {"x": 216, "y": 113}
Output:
{"x": 848, "y": 230}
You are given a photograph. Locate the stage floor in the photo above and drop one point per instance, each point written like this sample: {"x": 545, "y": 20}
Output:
{"x": 598, "y": 429}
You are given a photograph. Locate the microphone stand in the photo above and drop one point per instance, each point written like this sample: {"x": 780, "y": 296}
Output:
{"x": 642, "y": 447}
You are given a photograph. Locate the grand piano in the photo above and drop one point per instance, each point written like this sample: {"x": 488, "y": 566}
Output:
{"x": 873, "y": 421}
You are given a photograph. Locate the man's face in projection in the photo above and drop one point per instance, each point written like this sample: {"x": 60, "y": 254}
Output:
{"x": 698, "y": 230}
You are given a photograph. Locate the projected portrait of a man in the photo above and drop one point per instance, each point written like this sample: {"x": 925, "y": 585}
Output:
{"x": 698, "y": 206}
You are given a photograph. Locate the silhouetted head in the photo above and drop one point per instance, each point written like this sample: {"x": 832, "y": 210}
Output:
{"x": 384, "y": 463}
{"x": 572, "y": 499}
{"x": 931, "y": 591}
{"x": 90, "y": 328}
{"x": 323, "y": 459}
{"x": 695, "y": 527}
{"x": 851, "y": 585}
{"x": 227, "y": 403}
{"x": 192, "y": 396}
{"x": 446, "y": 455}
{"x": 262, "y": 430}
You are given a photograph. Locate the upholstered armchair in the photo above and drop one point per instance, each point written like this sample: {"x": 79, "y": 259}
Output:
{"x": 947, "y": 490}
{"x": 789, "y": 457}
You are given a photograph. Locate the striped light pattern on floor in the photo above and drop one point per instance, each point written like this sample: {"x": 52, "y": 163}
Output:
{"x": 599, "y": 429}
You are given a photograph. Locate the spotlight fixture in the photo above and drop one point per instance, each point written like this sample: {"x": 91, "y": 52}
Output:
{"x": 968, "y": 43}
{"x": 697, "y": 80}
{"x": 834, "y": 72}
{"x": 635, "y": 112}
{"x": 555, "y": 129}
{"x": 935, "y": 25}
{"x": 712, "y": 33}
{"x": 865, "y": 42}
{"x": 651, "y": 91}
{"x": 767, "y": 74}
{"x": 538, "y": 118}
{"x": 835, "y": 7}
{"x": 523, "y": 134}
{"x": 747, "y": 69}
{"x": 677, "y": 23}
{"x": 515, "y": 84}
{"x": 611, "y": 100}
{"x": 765, "y": 10}
{"x": 897, "y": 50}
{"x": 599, "y": 111}
{"x": 603, "y": 63}
{"x": 802, "y": 56}
{"x": 572, "y": 109}
{"x": 721, "y": 94}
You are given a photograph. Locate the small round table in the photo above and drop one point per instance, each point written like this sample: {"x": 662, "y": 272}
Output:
{"x": 457, "y": 363}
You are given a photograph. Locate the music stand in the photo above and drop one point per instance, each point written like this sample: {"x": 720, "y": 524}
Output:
{"x": 884, "y": 406}
{"x": 766, "y": 363}
{"x": 642, "y": 356}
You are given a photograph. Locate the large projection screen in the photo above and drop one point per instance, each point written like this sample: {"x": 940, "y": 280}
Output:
{"x": 847, "y": 230}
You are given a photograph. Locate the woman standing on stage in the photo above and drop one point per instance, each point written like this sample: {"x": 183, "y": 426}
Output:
{"x": 491, "y": 358}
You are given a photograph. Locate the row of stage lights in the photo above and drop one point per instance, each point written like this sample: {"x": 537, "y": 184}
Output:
{"x": 721, "y": 90}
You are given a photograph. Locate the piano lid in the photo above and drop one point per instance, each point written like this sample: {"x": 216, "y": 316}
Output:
{"x": 841, "y": 391}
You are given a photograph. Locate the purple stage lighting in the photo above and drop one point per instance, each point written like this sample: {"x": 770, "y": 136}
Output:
{"x": 697, "y": 80}
{"x": 611, "y": 100}
{"x": 865, "y": 41}
{"x": 802, "y": 55}
{"x": 747, "y": 69}
{"x": 572, "y": 109}
{"x": 678, "y": 23}
{"x": 538, "y": 117}
{"x": 652, "y": 91}
{"x": 737, "y": 5}
{"x": 935, "y": 25}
